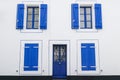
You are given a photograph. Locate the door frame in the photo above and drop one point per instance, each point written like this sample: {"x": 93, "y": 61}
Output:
{"x": 80, "y": 72}
{"x": 21, "y": 63}
{"x": 59, "y": 42}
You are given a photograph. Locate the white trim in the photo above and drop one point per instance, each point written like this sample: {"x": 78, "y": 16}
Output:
{"x": 93, "y": 17}
{"x": 29, "y": 73}
{"x": 80, "y": 72}
{"x": 51, "y": 55}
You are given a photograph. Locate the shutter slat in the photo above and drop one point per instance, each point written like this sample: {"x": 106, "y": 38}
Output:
{"x": 74, "y": 15}
{"x": 20, "y": 16}
{"x": 43, "y": 16}
{"x": 98, "y": 16}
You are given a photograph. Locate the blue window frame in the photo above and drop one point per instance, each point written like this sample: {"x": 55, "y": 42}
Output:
{"x": 32, "y": 17}
{"x": 85, "y": 17}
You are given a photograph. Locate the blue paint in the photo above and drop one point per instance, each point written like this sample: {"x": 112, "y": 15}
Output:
{"x": 20, "y": 16}
{"x": 60, "y": 64}
{"x": 88, "y": 57}
{"x": 74, "y": 15}
{"x": 31, "y": 57}
{"x": 98, "y": 16}
{"x": 43, "y": 16}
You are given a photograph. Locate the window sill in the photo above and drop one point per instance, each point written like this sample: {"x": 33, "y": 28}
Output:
{"x": 87, "y": 30}
{"x": 31, "y": 31}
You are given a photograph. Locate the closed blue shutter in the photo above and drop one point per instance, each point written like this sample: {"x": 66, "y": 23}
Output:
{"x": 31, "y": 57}
{"x": 43, "y": 16}
{"x": 98, "y": 16}
{"x": 20, "y": 16}
{"x": 92, "y": 64}
{"x": 74, "y": 15}
{"x": 88, "y": 56}
{"x": 84, "y": 57}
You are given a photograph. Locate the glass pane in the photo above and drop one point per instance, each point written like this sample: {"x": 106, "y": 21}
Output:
{"x": 36, "y": 18}
{"x": 29, "y": 17}
{"x": 88, "y": 24}
{"x": 36, "y": 10}
{"x": 62, "y": 53}
{"x": 36, "y": 25}
{"x": 81, "y": 10}
{"x": 88, "y": 10}
{"x": 30, "y": 10}
{"x": 82, "y": 25}
{"x": 29, "y": 25}
{"x": 56, "y": 53}
{"x": 88, "y": 17}
{"x": 81, "y": 17}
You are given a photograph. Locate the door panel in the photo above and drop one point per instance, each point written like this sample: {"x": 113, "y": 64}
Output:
{"x": 59, "y": 61}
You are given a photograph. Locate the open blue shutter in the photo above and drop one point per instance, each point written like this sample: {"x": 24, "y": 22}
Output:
{"x": 74, "y": 15}
{"x": 98, "y": 16}
{"x": 20, "y": 16}
{"x": 43, "y": 16}
{"x": 31, "y": 57}
{"x": 88, "y": 56}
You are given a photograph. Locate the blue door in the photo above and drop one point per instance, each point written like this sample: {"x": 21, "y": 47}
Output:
{"x": 59, "y": 61}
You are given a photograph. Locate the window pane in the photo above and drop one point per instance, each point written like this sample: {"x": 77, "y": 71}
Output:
{"x": 29, "y": 25}
{"x": 36, "y": 11}
{"x": 88, "y": 17}
{"x": 82, "y": 25}
{"x": 81, "y": 10}
{"x": 29, "y": 17}
{"x": 56, "y": 53}
{"x": 81, "y": 17}
{"x": 36, "y": 18}
{"x": 88, "y": 24}
{"x": 36, "y": 25}
{"x": 30, "y": 10}
{"x": 88, "y": 11}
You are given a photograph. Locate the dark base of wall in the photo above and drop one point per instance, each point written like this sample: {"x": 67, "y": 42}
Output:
{"x": 93, "y": 78}
{"x": 68, "y": 78}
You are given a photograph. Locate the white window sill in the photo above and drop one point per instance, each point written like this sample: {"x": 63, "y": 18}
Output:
{"x": 31, "y": 31}
{"x": 87, "y": 30}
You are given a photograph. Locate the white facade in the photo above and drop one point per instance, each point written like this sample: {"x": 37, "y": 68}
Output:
{"x": 59, "y": 31}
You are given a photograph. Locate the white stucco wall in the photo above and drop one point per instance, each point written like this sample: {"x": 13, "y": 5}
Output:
{"x": 59, "y": 28}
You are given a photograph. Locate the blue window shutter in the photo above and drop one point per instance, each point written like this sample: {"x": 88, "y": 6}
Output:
{"x": 98, "y": 16}
{"x": 43, "y": 16}
{"x": 92, "y": 63}
{"x": 20, "y": 16}
{"x": 88, "y": 56}
{"x": 74, "y": 15}
{"x": 84, "y": 56}
{"x": 31, "y": 57}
